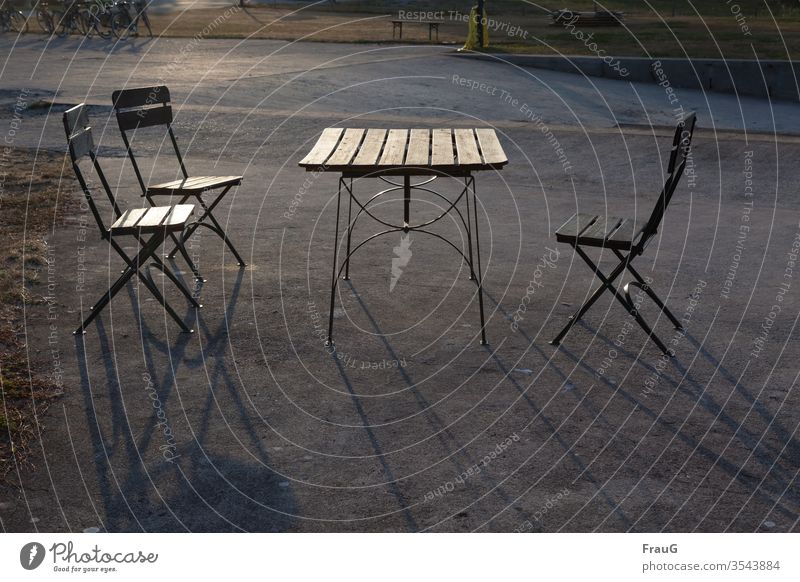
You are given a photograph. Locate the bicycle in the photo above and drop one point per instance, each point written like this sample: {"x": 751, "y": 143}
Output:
{"x": 12, "y": 20}
{"x": 98, "y": 16}
{"x": 72, "y": 20}
{"x": 45, "y": 18}
{"x": 127, "y": 16}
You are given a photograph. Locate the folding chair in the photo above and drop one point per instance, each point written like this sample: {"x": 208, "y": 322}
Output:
{"x": 622, "y": 235}
{"x": 150, "y": 107}
{"x": 149, "y": 226}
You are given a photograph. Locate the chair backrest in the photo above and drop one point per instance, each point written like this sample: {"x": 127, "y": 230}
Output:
{"x": 140, "y": 108}
{"x": 81, "y": 145}
{"x": 681, "y": 150}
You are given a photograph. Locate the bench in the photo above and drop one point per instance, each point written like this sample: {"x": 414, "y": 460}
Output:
{"x": 433, "y": 25}
{"x": 597, "y": 18}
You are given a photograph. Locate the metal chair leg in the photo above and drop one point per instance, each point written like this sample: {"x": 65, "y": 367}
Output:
{"x": 148, "y": 282}
{"x": 144, "y": 253}
{"x": 573, "y": 319}
{"x": 649, "y": 290}
{"x": 639, "y": 319}
{"x": 625, "y": 300}
{"x": 171, "y": 276}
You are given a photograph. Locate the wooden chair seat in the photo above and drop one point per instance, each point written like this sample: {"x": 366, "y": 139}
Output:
{"x": 153, "y": 219}
{"x": 193, "y": 186}
{"x": 600, "y": 231}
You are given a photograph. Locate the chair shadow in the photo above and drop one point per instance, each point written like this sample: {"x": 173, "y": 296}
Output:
{"x": 783, "y": 478}
{"x": 195, "y": 489}
{"x": 552, "y": 429}
{"x": 246, "y": 10}
{"x": 443, "y": 435}
{"x": 697, "y": 391}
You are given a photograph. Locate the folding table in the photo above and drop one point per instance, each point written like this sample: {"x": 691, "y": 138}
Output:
{"x": 403, "y": 153}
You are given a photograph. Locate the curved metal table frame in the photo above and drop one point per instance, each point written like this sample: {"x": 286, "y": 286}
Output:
{"x": 346, "y": 186}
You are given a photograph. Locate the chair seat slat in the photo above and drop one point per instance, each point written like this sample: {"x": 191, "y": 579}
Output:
{"x": 193, "y": 185}
{"x": 574, "y": 226}
{"x": 148, "y": 220}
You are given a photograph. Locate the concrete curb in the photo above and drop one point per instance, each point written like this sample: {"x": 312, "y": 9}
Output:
{"x": 774, "y": 79}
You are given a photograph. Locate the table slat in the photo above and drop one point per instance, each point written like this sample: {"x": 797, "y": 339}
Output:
{"x": 324, "y": 147}
{"x": 467, "y": 148}
{"x": 418, "y": 148}
{"x": 346, "y": 148}
{"x": 490, "y": 147}
{"x": 420, "y": 151}
{"x": 442, "y": 152}
{"x": 370, "y": 148}
{"x": 394, "y": 152}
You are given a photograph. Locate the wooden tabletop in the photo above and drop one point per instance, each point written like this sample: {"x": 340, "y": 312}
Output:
{"x": 417, "y": 152}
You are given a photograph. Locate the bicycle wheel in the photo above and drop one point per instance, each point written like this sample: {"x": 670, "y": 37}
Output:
{"x": 61, "y": 23}
{"x": 146, "y": 21}
{"x": 101, "y": 24}
{"x": 102, "y": 28}
{"x": 121, "y": 25}
{"x": 45, "y": 20}
{"x": 18, "y": 22}
{"x": 84, "y": 22}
